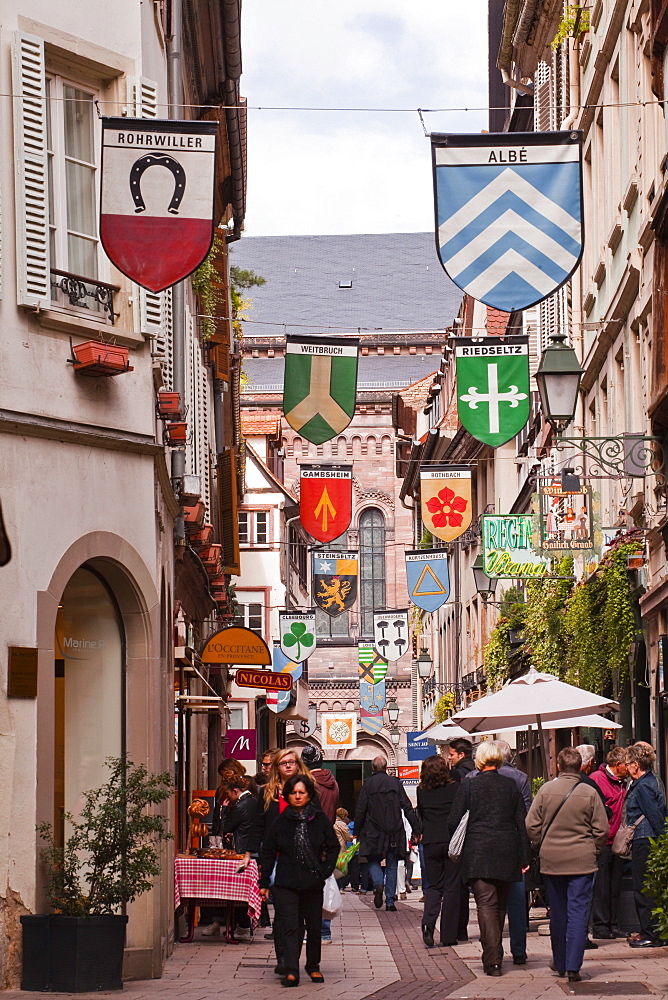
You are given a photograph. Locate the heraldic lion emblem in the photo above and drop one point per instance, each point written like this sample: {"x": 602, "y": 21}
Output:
{"x": 334, "y": 595}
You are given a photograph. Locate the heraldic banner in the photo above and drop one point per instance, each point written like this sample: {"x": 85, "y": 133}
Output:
{"x": 297, "y": 632}
{"x": 445, "y": 492}
{"x": 390, "y": 633}
{"x": 372, "y": 703}
{"x": 335, "y": 581}
{"x": 320, "y": 385}
{"x": 428, "y": 578}
{"x": 156, "y": 202}
{"x": 493, "y": 387}
{"x": 325, "y": 500}
{"x": 509, "y": 213}
{"x": 372, "y": 666}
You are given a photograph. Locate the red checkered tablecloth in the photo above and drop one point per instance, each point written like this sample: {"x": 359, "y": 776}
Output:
{"x": 209, "y": 879}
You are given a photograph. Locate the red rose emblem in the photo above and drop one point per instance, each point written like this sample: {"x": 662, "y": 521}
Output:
{"x": 447, "y": 508}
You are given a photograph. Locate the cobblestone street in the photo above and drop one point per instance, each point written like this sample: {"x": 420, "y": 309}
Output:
{"x": 383, "y": 957}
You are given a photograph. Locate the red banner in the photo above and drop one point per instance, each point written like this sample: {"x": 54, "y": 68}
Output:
{"x": 325, "y": 500}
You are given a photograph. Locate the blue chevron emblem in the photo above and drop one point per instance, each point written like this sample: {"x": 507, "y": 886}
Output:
{"x": 509, "y": 214}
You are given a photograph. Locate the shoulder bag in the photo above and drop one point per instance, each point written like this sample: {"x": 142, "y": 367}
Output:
{"x": 622, "y": 842}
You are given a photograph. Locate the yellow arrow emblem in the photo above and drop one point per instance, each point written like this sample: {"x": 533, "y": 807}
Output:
{"x": 325, "y": 508}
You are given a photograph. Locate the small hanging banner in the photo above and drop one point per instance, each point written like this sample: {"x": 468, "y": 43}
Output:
{"x": 372, "y": 666}
{"x": 282, "y": 664}
{"x": 297, "y": 633}
{"x": 335, "y": 581}
{"x": 428, "y": 578}
{"x": 565, "y": 518}
{"x": 509, "y": 213}
{"x": 156, "y": 201}
{"x": 445, "y": 492}
{"x": 493, "y": 387}
{"x": 390, "y": 635}
{"x": 339, "y": 730}
{"x": 372, "y": 703}
{"x": 320, "y": 385}
{"x": 325, "y": 500}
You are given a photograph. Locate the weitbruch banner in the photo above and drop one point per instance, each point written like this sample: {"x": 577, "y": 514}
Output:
{"x": 320, "y": 385}
{"x": 509, "y": 213}
{"x": 493, "y": 387}
{"x": 156, "y": 197}
{"x": 445, "y": 496}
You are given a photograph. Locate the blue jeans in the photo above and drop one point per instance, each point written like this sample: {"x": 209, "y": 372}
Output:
{"x": 569, "y": 897}
{"x": 376, "y": 875}
{"x": 326, "y": 930}
{"x": 516, "y": 908}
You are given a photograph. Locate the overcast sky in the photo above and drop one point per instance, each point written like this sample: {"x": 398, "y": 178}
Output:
{"x": 350, "y": 172}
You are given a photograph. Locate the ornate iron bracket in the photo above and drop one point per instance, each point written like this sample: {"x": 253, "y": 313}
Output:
{"x": 628, "y": 456}
{"x": 77, "y": 289}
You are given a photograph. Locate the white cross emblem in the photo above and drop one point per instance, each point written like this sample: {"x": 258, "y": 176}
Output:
{"x": 493, "y": 397}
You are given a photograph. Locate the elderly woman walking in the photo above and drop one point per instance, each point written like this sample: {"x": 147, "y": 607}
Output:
{"x": 646, "y": 806}
{"x": 496, "y": 848}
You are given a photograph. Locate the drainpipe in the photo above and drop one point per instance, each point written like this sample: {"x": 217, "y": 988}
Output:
{"x": 175, "y": 93}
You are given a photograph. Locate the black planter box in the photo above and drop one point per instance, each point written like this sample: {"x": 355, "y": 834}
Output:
{"x": 73, "y": 954}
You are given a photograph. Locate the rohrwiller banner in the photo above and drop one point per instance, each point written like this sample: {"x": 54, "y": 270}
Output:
{"x": 156, "y": 201}
{"x": 325, "y": 500}
{"x": 509, "y": 213}
{"x": 493, "y": 387}
{"x": 320, "y": 385}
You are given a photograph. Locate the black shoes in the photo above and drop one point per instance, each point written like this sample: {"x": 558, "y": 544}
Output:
{"x": 574, "y": 977}
{"x": 646, "y": 943}
{"x": 617, "y": 932}
{"x": 590, "y": 945}
{"x": 560, "y": 972}
{"x": 519, "y": 960}
{"x": 448, "y": 944}
{"x": 493, "y": 970}
{"x": 604, "y": 935}
{"x": 428, "y": 936}
{"x": 378, "y": 897}
{"x": 392, "y": 908}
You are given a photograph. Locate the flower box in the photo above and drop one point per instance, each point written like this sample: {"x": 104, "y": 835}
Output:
{"x": 169, "y": 404}
{"x": 97, "y": 359}
{"x": 176, "y": 432}
{"x": 211, "y": 554}
{"x": 202, "y": 537}
{"x": 194, "y": 516}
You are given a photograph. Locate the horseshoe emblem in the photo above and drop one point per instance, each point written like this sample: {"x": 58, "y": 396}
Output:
{"x": 157, "y": 160}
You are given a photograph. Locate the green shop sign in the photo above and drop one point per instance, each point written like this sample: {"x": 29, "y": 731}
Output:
{"x": 507, "y": 550}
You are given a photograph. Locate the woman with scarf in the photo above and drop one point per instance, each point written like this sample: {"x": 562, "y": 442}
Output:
{"x": 303, "y": 845}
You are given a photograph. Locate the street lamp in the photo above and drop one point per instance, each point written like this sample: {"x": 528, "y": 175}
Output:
{"x": 485, "y": 585}
{"x": 424, "y": 664}
{"x": 392, "y": 712}
{"x": 558, "y": 378}
{"x": 395, "y": 735}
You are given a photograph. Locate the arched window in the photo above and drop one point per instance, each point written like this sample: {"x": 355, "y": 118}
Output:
{"x": 372, "y": 566}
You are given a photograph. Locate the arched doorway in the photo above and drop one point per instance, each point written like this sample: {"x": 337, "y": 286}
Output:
{"x": 89, "y": 683}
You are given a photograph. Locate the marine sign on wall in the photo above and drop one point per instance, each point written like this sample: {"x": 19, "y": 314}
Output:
{"x": 156, "y": 201}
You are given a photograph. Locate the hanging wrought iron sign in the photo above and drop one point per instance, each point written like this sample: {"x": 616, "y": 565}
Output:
{"x": 566, "y": 523}
{"x": 509, "y": 213}
{"x": 507, "y": 549}
{"x": 156, "y": 201}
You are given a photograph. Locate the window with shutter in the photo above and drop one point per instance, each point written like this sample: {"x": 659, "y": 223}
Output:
{"x": 227, "y": 509}
{"x": 31, "y": 181}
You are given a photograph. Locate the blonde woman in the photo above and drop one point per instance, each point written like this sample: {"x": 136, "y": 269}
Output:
{"x": 286, "y": 764}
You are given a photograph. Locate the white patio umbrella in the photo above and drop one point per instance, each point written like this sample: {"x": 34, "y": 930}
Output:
{"x": 535, "y": 698}
{"x": 444, "y": 732}
{"x": 447, "y": 731}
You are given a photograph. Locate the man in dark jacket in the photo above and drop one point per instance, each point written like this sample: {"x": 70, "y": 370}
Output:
{"x": 379, "y": 826}
{"x": 460, "y": 758}
{"x": 325, "y": 782}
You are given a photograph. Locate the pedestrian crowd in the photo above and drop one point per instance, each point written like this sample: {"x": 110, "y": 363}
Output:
{"x": 486, "y": 838}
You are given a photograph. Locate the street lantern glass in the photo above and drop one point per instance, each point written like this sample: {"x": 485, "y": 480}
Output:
{"x": 392, "y": 711}
{"x": 425, "y": 663}
{"x": 485, "y": 585}
{"x": 395, "y": 736}
{"x": 558, "y": 379}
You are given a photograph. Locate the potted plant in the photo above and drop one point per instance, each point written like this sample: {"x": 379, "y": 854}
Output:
{"x": 95, "y": 358}
{"x": 169, "y": 404}
{"x": 176, "y": 432}
{"x": 108, "y": 859}
{"x": 201, "y": 538}
{"x": 194, "y": 516}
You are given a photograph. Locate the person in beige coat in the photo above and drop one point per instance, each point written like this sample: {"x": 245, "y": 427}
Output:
{"x": 567, "y": 822}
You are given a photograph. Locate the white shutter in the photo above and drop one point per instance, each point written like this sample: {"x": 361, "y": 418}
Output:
{"x": 197, "y": 393}
{"x": 156, "y": 311}
{"x": 32, "y": 187}
{"x": 147, "y": 98}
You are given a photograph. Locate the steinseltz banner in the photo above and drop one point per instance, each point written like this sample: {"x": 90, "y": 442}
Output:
{"x": 509, "y": 213}
{"x": 335, "y": 581}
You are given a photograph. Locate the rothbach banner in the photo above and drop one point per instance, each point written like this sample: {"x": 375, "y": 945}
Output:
{"x": 508, "y": 213}
{"x": 445, "y": 495}
{"x": 156, "y": 203}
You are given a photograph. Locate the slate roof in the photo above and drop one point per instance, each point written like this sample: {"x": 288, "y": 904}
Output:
{"x": 399, "y": 370}
{"x": 397, "y": 283}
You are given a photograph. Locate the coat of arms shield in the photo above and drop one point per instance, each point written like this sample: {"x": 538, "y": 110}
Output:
{"x": 320, "y": 385}
{"x": 156, "y": 202}
{"x": 509, "y": 214}
{"x": 445, "y": 493}
{"x": 298, "y": 635}
{"x": 325, "y": 500}
{"x": 335, "y": 581}
{"x": 390, "y": 633}
{"x": 428, "y": 578}
{"x": 493, "y": 387}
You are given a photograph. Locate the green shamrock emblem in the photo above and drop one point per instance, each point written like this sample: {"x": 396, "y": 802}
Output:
{"x": 298, "y": 636}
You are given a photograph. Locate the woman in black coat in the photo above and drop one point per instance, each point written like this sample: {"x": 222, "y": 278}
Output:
{"x": 435, "y": 796}
{"x": 496, "y": 848}
{"x": 304, "y": 847}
